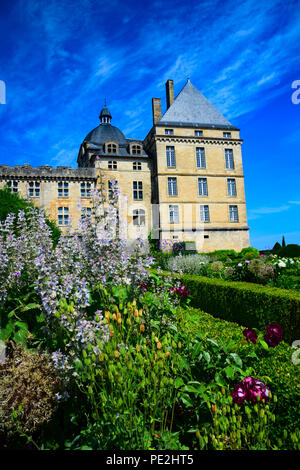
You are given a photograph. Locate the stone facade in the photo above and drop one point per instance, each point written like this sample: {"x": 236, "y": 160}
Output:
{"x": 185, "y": 180}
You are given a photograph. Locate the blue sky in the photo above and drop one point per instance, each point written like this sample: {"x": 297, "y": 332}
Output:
{"x": 60, "y": 58}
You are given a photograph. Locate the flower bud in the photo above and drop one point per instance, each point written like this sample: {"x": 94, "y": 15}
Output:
{"x": 114, "y": 316}
{"x": 140, "y": 312}
{"x": 116, "y": 353}
{"x": 134, "y": 303}
{"x": 136, "y": 313}
{"x": 158, "y": 345}
{"x": 142, "y": 328}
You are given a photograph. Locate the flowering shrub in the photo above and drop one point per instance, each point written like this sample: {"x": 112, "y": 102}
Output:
{"x": 250, "y": 389}
{"x": 188, "y": 264}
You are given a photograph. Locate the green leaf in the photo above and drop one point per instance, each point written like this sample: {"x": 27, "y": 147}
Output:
{"x": 178, "y": 382}
{"x": 212, "y": 341}
{"x": 187, "y": 401}
{"x": 31, "y": 306}
{"x": 264, "y": 344}
{"x": 219, "y": 380}
{"x": 237, "y": 359}
{"x": 206, "y": 356}
{"x": 229, "y": 371}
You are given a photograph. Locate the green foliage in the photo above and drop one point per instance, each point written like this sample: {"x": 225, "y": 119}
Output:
{"x": 249, "y": 253}
{"x": 272, "y": 365}
{"x": 276, "y": 247}
{"x": 289, "y": 251}
{"x": 129, "y": 386}
{"x": 12, "y": 203}
{"x": 223, "y": 255}
{"x": 248, "y": 304}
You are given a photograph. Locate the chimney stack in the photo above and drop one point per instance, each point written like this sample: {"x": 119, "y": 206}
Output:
{"x": 169, "y": 92}
{"x": 156, "y": 109}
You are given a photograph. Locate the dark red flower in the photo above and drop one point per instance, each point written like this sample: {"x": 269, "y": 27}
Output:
{"x": 250, "y": 334}
{"x": 273, "y": 334}
{"x": 250, "y": 389}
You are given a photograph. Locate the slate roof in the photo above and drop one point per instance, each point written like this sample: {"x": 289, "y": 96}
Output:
{"x": 190, "y": 107}
{"x": 105, "y": 132}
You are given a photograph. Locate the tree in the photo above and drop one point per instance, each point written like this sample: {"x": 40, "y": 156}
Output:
{"x": 276, "y": 247}
{"x": 13, "y": 203}
{"x": 283, "y": 242}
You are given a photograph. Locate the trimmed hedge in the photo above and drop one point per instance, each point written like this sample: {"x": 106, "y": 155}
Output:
{"x": 245, "y": 303}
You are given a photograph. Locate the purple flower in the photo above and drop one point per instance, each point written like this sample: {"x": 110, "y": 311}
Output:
{"x": 250, "y": 334}
{"x": 240, "y": 393}
{"x": 17, "y": 274}
{"x": 250, "y": 389}
{"x": 273, "y": 334}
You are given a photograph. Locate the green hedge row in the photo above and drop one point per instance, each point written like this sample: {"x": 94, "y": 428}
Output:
{"x": 247, "y": 304}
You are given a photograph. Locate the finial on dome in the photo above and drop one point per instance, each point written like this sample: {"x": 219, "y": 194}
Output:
{"x": 105, "y": 116}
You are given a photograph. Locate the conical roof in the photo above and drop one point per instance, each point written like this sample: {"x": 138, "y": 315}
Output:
{"x": 191, "y": 107}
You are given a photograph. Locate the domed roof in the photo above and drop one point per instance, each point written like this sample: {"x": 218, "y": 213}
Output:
{"x": 105, "y": 132}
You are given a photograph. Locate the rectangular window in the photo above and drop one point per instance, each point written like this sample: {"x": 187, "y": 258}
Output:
{"x": 174, "y": 214}
{"x": 85, "y": 212}
{"x": 202, "y": 187}
{"x": 169, "y": 131}
{"x": 170, "y": 151}
{"x": 139, "y": 217}
{"x": 229, "y": 163}
{"x": 227, "y": 135}
{"x": 137, "y": 166}
{"x": 63, "y": 216}
{"x": 204, "y": 214}
{"x": 13, "y": 186}
{"x": 137, "y": 190}
{"x": 112, "y": 165}
{"x": 233, "y": 214}
{"x": 198, "y": 133}
{"x": 34, "y": 189}
{"x": 200, "y": 157}
{"x": 172, "y": 186}
{"x": 112, "y": 189}
{"x": 63, "y": 189}
{"x": 85, "y": 189}
{"x": 231, "y": 187}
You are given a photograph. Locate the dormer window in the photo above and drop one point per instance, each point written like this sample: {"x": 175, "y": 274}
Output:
{"x": 111, "y": 147}
{"x": 136, "y": 149}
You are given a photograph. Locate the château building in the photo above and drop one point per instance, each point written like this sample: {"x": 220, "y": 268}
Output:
{"x": 183, "y": 182}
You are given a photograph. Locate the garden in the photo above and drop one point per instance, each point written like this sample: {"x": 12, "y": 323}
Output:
{"x": 106, "y": 346}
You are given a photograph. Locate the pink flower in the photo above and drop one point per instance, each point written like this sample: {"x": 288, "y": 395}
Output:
{"x": 240, "y": 264}
{"x": 247, "y": 261}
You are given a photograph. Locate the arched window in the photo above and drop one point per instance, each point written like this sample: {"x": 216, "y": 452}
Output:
{"x": 111, "y": 148}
